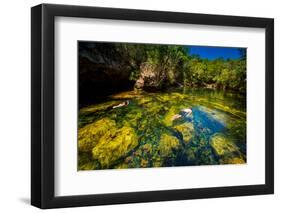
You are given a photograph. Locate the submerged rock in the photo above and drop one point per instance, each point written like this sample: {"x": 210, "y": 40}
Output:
{"x": 234, "y": 160}
{"x": 171, "y": 98}
{"x": 167, "y": 144}
{"x": 89, "y": 135}
{"x": 113, "y": 145}
{"x": 97, "y": 107}
{"x": 164, "y": 97}
{"x": 85, "y": 162}
{"x": 147, "y": 148}
{"x": 177, "y": 96}
{"x": 127, "y": 95}
{"x": 144, "y": 163}
{"x": 191, "y": 154}
{"x": 226, "y": 150}
{"x": 121, "y": 166}
{"x": 222, "y": 145}
{"x": 144, "y": 100}
{"x": 187, "y": 130}
{"x": 168, "y": 118}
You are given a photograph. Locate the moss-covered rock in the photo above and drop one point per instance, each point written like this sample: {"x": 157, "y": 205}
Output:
{"x": 226, "y": 150}
{"x": 89, "y": 135}
{"x": 144, "y": 163}
{"x": 187, "y": 130}
{"x": 174, "y": 98}
{"x": 121, "y": 166}
{"x": 147, "y": 148}
{"x": 177, "y": 96}
{"x": 157, "y": 162}
{"x": 85, "y": 162}
{"x": 222, "y": 145}
{"x": 191, "y": 154}
{"x": 164, "y": 97}
{"x": 168, "y": 118}
{"x": 167, "y": 144}
{"x": 133, "y": 117}
{"x": 114, "y": 145}
{"x": 153, "y": 107}
{"x": 144, "y": 100}
{"x": 91, "y": 165}
{"x": 234, "y": 160}
{"x": 97, "y": 107}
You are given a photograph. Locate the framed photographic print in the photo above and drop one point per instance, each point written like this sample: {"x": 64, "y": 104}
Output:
{"x": 139, "y": 106}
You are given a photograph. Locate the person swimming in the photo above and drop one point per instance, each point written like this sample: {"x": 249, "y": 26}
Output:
{"x": 183, "y": 113}
{"x": 125, "y": 103}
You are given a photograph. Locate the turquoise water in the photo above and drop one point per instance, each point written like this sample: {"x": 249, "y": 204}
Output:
{"x": 144, "y": 134}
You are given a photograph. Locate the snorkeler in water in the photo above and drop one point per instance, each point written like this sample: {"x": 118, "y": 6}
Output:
{"x": 183, "y": 113}
{"x": 125, "y": 103}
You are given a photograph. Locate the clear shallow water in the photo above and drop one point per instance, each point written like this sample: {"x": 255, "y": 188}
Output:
{"x": 144, "y": 134}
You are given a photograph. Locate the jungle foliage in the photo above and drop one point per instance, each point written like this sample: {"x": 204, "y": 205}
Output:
{"x": 169, "y": 65}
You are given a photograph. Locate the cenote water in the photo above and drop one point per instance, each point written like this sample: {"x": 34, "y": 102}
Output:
{"x": 146, "y": 134}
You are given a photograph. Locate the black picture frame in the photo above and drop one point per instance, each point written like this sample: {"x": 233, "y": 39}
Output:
{"x": 43, "y": 111}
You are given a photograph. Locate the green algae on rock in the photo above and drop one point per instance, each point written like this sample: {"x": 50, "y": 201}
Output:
{"x": 167, "y": 144}
{"x": 114, "y": 145}
{"x": 133, "y": 117}
{"x": 228, "y": 152}
{"x": 153, "y": 107}
{"x": 222, "y": 145}
{"x": 167, "y": 120}
{"x": 190, "y": 154}
{"x": 97, "y": 107}
{"x": 147, "y": 148}
{"x": 89, "y": 135}
{"x": 85, "y": 162}
{"x": 127, "y": 95}
{"x": 123, "y": 165}
{"x": 187, "y": 130}
{"x": 144, "y": 100}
